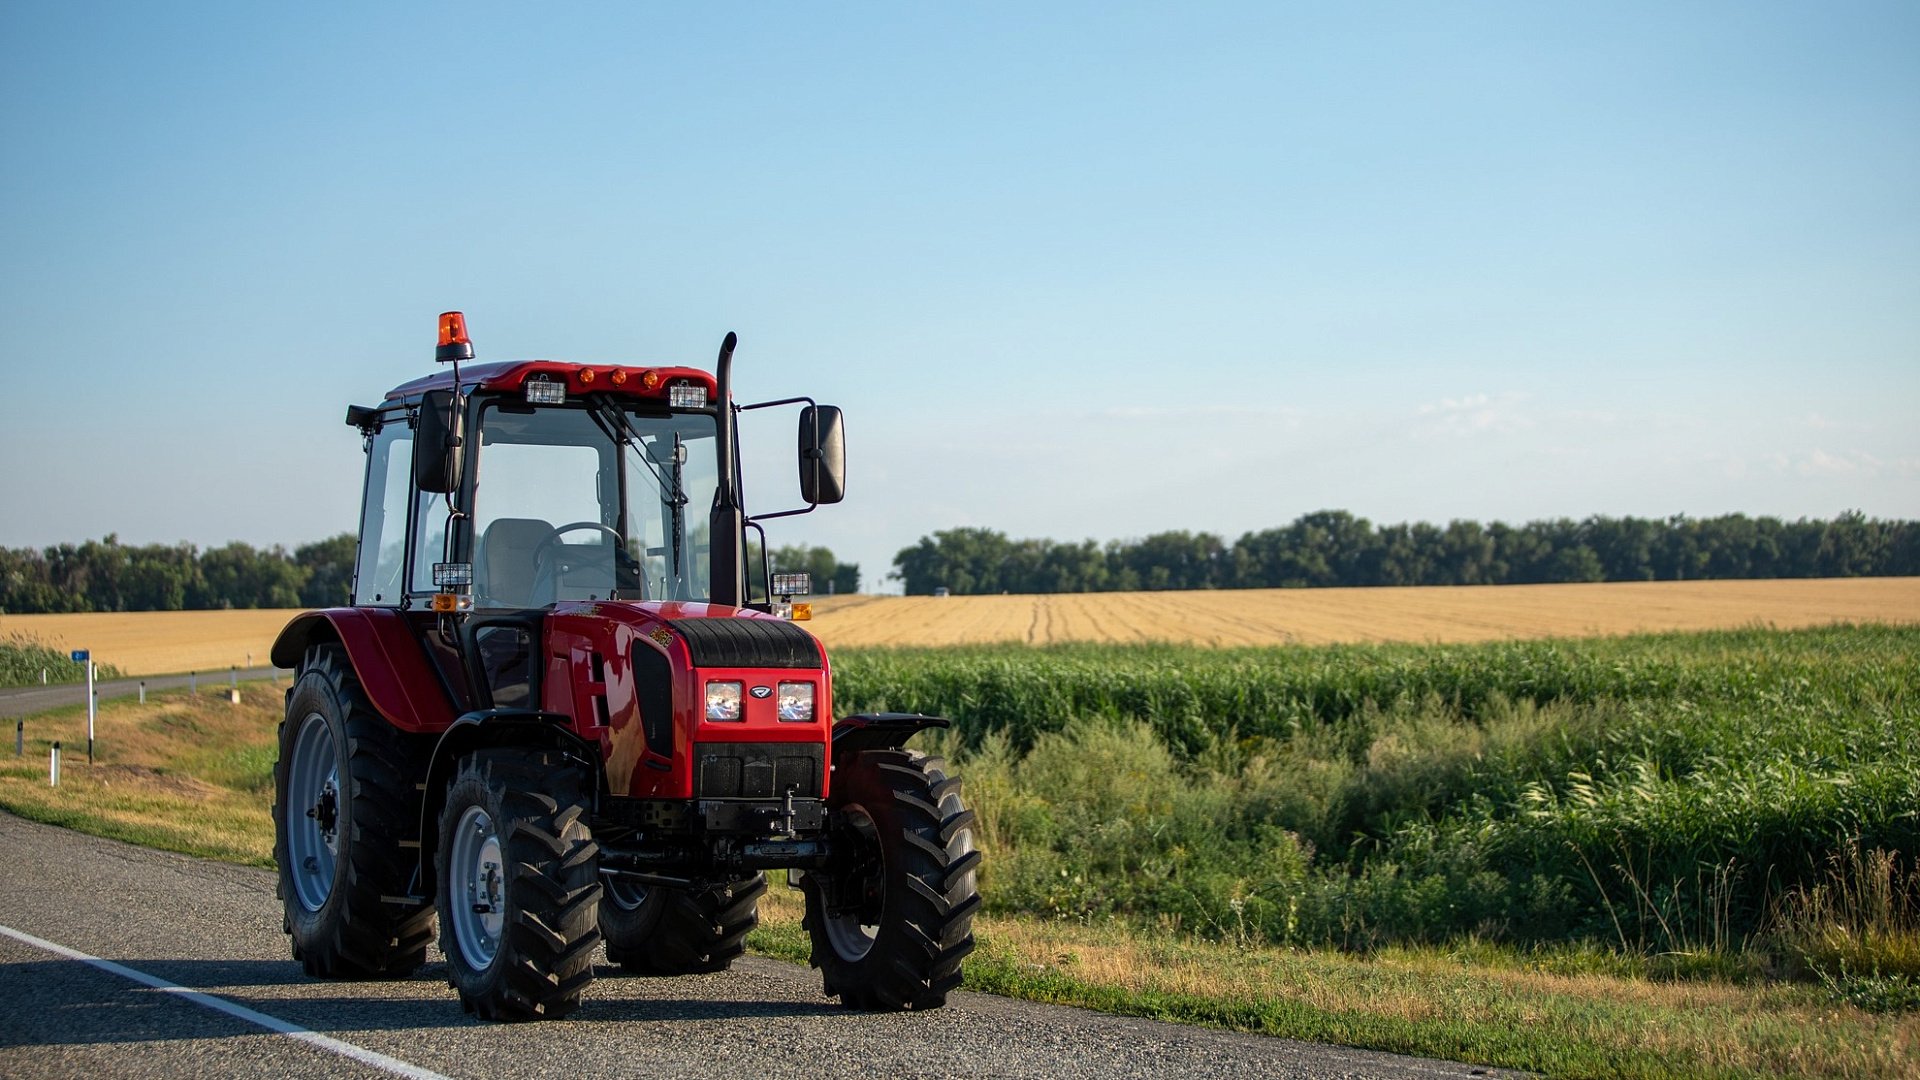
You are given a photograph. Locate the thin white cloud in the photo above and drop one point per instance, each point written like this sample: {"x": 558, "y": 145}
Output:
{"x": 1851, "y": 463}
{"x": 1474, "y": 414}
{"x": 1821, "y": 463}
{"x": 1732, "y": 466}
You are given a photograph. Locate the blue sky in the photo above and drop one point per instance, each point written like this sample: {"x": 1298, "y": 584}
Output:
{"x": 1073, "y": 270}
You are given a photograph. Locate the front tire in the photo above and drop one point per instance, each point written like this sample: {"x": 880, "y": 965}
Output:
{"x": 519, "y": 883}
{"x": 891, "y": 921}
{"x": 657, "y": 930}
{"x": 339, "y": 815}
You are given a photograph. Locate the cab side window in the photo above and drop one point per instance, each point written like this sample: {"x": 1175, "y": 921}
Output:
{"x": 380, "y": 566}
{"x": 429, "y": 540}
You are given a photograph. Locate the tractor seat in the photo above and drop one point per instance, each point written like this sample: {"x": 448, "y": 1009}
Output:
{"x": 504, "y": 576}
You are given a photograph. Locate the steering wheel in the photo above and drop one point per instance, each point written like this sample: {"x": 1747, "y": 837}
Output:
{"x": 540, "y": 549}
{"x": 544, "y": 549}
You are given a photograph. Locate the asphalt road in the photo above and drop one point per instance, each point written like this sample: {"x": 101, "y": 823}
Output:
{"x": 215, "y": 928}
{"x": 27, "y": 700}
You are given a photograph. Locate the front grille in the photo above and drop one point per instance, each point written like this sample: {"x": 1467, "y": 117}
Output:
{"x": 758, "y": 770}
{"x": 748, "y": 643}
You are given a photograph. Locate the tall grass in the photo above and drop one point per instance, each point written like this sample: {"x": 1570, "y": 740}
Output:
{"x": 22, "y": 660}
{"x": 1660, "y": 794}
{"x": 1861, "y": 917}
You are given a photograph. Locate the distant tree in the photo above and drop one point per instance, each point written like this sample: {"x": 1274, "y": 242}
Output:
{"x": 1624, "y": 546}
{"x": 158, "y": 578}
{"x": 238, "y": 576}
{"x": 1078, "y": 567}
{"x": 962, "y": 561}
{"x": 1466, "y": 555}
{"x": 1678, "y": 556}
{"x": 27, "y": 586}
{"x": 1178, "y": 560}
{"x": 1576, "y": 563}
{"x": 328, "y": 565}
{"x": 1903, "y": 548}
{"x": 830, "y": 576}
{"x": 1851, "y": 546}
{"x": 1306, "y": 554}
{"x": 1393, "y": 557}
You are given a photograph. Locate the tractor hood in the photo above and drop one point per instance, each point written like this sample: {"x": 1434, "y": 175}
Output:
{"x": 640, "y": 671}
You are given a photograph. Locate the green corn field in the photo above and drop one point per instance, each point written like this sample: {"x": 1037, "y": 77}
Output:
{"x": 1678, "y": 795}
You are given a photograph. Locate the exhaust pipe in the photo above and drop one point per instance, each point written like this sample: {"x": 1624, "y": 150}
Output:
{"x": 727, "y": 524}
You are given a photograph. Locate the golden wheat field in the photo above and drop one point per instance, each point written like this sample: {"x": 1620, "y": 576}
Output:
{"x": 158, "y": 642}
{"x": 1326, "y": 616}
{"x": 149, "y": 643}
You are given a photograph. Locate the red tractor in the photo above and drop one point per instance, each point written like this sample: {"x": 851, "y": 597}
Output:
{"x": 565, "y": 709}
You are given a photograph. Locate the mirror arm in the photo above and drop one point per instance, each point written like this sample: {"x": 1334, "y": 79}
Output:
{"x": 771, "y": 404}
{"x": 808, "y": 509}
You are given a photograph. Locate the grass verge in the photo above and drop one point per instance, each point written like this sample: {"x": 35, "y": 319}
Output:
{"x": 1563, "y": 1012}
{"x": 182, "y": 773}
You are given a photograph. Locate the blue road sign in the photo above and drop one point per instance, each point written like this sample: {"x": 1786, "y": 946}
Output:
{"x": 80, "y": 654}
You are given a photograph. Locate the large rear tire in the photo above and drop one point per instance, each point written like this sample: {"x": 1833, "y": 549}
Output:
{"x": 657, "y": 930}
{"x": 519, "y": 883}
{"x": 892, "y": 919}
{"x": 341, "y": 809}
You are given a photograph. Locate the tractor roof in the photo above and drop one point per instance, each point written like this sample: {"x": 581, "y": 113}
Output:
{"x": 510, "y": 375}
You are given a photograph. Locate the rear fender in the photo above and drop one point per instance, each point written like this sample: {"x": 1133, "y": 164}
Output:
{"x": 387, "y": 659}
{"x": 487, "y": 729}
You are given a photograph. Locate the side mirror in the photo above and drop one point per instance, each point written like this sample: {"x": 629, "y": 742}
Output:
{"x": 823, "y": 455}
{"x": 436, "y": 443}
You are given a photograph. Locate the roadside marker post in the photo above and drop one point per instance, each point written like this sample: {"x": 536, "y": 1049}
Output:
{"x": 93, "y": 703}
{"x": 53, "y": 765}
{"x": 19, "y": 738}
{"x": 193, "y": 683}
{"x": 143, "y": 691}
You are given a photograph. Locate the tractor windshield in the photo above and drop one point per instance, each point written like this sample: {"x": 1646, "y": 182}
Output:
{"x": 597, "y": 500}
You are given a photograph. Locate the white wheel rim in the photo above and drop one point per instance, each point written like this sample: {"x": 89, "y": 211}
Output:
{"x": 852, "y": 939}
{"x": 312, "y": 812}
{"x": 477, "y": 888}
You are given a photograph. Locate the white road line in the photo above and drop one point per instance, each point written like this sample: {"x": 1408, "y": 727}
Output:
{"x": 241, "y": 1012}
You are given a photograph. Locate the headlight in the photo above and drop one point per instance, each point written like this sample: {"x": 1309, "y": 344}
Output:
{"x": 796, "y": 701}
{"x": 723, "y": 701}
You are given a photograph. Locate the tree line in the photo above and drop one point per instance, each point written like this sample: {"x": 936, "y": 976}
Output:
{"x": 1328, "y": 547}
{"x": 106, "y": 575}
{"x": 1333, "y": 547}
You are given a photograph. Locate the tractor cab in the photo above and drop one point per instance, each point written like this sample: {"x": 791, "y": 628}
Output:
{"x": 496, "y": 492}
{"x": 605, "y": 496}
